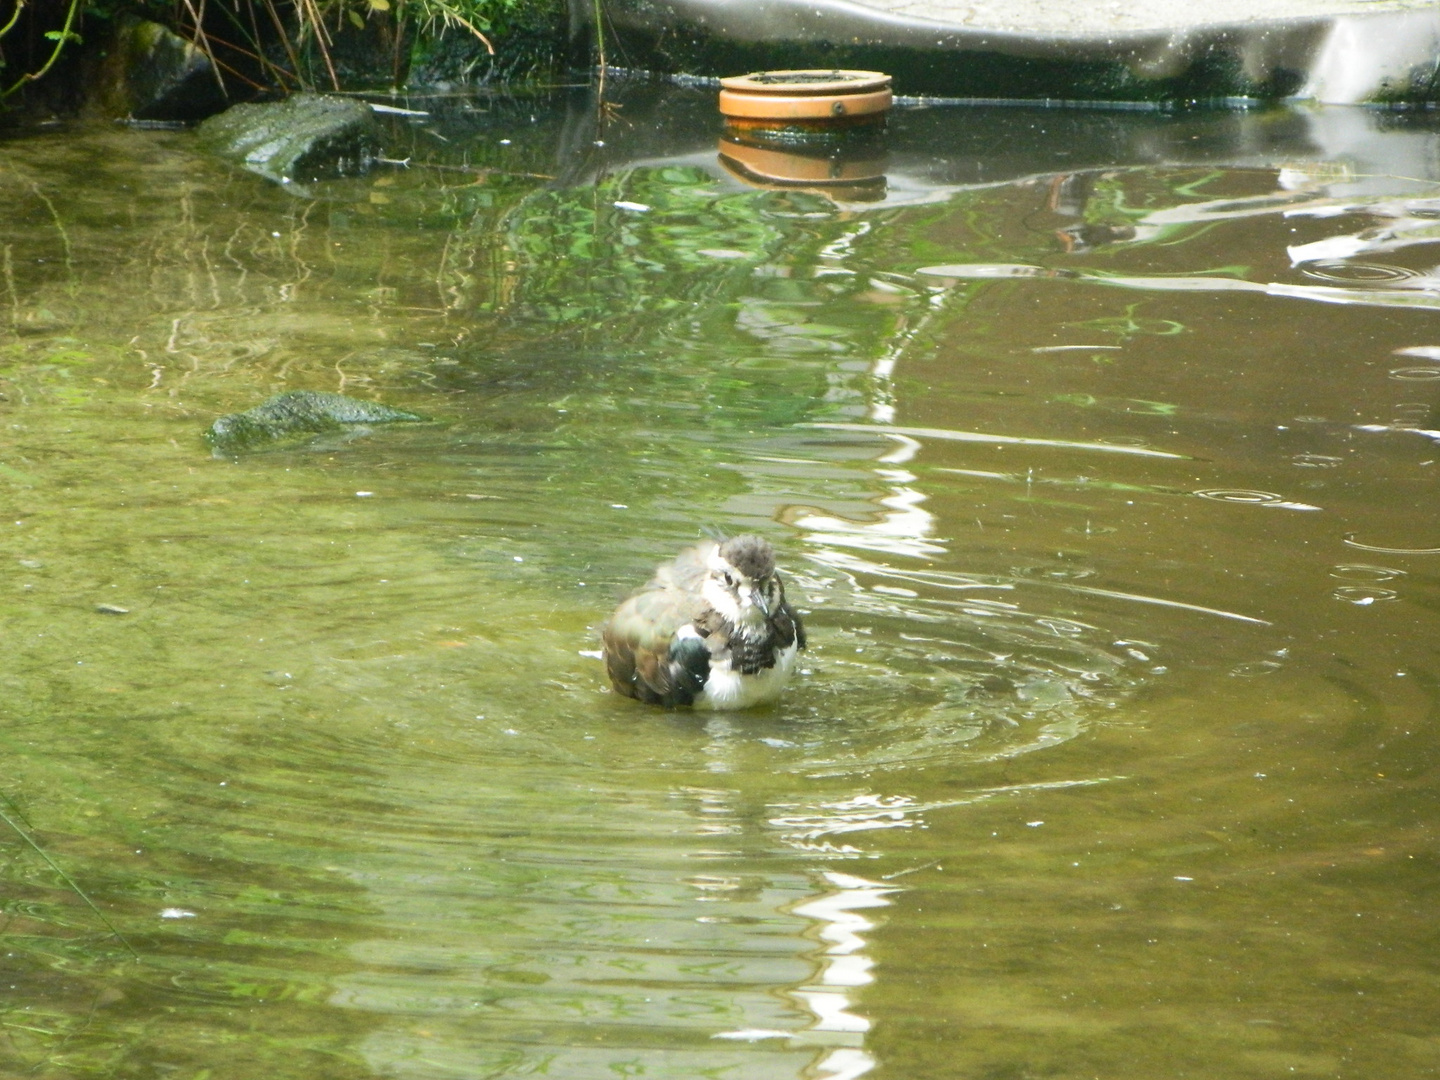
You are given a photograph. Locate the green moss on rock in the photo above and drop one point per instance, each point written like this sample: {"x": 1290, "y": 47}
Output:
{"x": 151, "y": 73}
{"x": 297, "y": 413}
{"x": 304, "y": 137}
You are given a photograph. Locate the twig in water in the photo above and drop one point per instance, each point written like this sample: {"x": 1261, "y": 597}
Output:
{"x": 68, "y": 881}
{"x": 600, "y": 50}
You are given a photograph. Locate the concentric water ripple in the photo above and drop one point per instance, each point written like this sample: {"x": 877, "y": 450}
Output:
{"x": 1239, "y": 495}
{"x": 1416, "y": 374}
{"x": 985, "y": 676}
{"x": 1350, "y": 541}
{"x": 1358, "y": 272}
{"x": 1248, "y": 497}
{"x": 1364, "y": 595}
{"x": 1365, "y": 572}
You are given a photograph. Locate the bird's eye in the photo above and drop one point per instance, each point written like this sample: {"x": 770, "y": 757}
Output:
{"x": 728, "y": 578}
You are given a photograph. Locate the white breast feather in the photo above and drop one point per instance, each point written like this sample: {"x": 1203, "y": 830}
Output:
{"x": 727, "y": 689}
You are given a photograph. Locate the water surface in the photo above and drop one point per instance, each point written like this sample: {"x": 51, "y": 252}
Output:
{"x": 1099, "y": 450}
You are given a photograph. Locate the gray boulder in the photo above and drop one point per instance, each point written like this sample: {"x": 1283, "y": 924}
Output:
{"x": 304, "y": 137}
{"x": 150, "y": 73}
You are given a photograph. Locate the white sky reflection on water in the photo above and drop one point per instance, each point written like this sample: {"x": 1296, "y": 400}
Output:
{"x": 837, "y": 1029}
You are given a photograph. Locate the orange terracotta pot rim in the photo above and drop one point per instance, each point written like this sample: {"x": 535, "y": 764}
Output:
{"x": 808, "y": 107}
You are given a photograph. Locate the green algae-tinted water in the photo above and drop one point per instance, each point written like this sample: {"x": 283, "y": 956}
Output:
{"x": 1099, "y": 450}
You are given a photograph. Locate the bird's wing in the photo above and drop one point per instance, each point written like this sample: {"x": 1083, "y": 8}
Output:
{"x": 648, "y": 653}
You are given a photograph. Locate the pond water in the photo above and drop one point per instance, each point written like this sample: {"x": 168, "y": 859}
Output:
{"x": 1099, "y": 450}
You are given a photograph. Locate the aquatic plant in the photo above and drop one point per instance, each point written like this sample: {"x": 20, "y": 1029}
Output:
{"x": 55, "y": 39}
{"x": 292, "y": 44}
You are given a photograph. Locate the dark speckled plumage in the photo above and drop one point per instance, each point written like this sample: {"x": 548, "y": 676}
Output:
{"x": 668, "y": 645}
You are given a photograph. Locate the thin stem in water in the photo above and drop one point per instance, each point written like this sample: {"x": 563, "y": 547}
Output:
{"x": 68, "y": 881}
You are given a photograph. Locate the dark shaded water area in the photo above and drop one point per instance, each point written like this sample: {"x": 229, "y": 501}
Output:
{"x": 1100, "y": 449}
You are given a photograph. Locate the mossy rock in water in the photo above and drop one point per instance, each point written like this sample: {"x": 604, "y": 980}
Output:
{"x": 304, "y": 137}
{"x": 151, "y": 73}
{"x": 298, "y": 412}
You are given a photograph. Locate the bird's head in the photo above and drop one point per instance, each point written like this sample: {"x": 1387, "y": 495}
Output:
{"x": 742, "y": 583}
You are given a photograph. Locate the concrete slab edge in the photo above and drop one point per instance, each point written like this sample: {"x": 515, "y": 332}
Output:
{"x": 1386, "y": 57}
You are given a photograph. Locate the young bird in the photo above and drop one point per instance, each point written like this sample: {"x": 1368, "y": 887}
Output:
{"x": 711, "y": 629}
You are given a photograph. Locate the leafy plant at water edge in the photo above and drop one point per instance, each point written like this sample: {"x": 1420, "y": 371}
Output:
{"x": 274, "y": 44}
{"x": 59, "y": 37}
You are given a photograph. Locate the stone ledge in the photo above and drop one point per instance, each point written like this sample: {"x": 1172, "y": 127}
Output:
{"x": 1332, "y": 51}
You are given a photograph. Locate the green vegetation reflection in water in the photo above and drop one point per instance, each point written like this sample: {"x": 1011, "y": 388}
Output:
{"x": 343, "y": 776}
{"x": 385, "y": 632}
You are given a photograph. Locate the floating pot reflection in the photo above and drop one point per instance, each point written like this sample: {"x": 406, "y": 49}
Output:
{"x": 849, "y": 173}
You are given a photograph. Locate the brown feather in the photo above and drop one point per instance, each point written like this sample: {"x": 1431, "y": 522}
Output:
{"x": 647, "y": 659}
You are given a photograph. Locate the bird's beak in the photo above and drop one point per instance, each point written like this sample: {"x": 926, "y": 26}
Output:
{"x": 758, "y": 599}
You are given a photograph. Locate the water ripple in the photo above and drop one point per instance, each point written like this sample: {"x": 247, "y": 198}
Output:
{"x": 1239, "y": 495}
{"x": 1364, "y": 572}
{"x": 1252, "y": 498}
{"x": 1365, "y": 273}
{"x": 1364, "y": 595}
{"x": 1350, "y": 541}
{"x": 1416, "y": 374}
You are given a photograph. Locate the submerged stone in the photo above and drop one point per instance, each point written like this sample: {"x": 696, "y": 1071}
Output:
{"x": 298, "y": 412}
{"x": 304, "y": 137}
